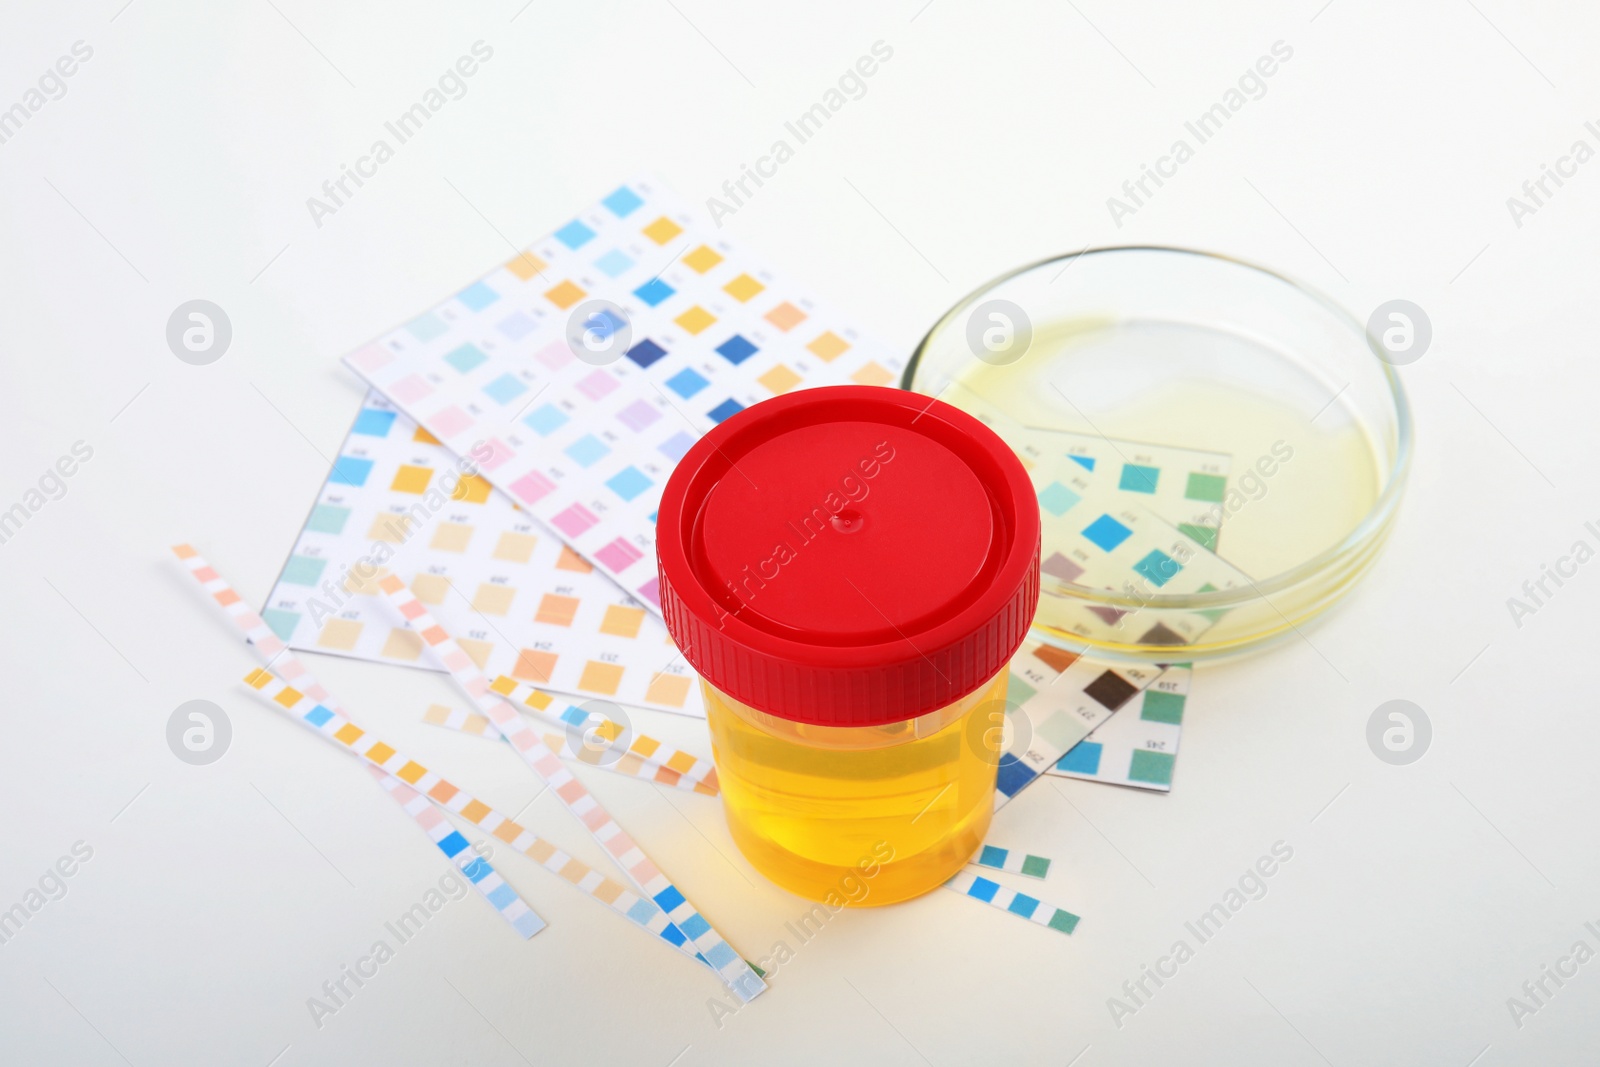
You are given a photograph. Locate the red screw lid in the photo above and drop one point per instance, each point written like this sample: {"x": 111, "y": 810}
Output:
{"x": 849, "y": 556}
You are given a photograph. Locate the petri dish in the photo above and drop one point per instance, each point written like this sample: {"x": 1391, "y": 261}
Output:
{"x": 1219, "y": 451}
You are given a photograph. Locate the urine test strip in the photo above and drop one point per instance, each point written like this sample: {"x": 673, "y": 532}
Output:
{"x": 312, "y": 700}
{"x": 1005, "y": 859}
{"x": 521, "y": 601}
{"x": 690, "y": 767}
{"x": 473, "y": 867}
{"x": 1138, "y": 746}
{"x": 735, "y": 972}
{"x": 488, "y": 883}
{"x": 1053, "y": 699}
{"x": 974, "y": 885}
{"x": 587, "y": 448}
{"x": 599, "y": 756}
{"x": 640, "y": 911}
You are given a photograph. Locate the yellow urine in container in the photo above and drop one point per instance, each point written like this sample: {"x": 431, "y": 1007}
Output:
{"x": 867, "y": 814}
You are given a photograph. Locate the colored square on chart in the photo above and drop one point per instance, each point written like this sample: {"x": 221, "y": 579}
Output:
{"x": 1207, "y": 487}
{"x": 637, "y": 415}
{"x": 1109, "y": 616}
{"x": 571, "y": 561}
{"x": 600, "y": 677}
{"x": 646, "y": 352}
{"x": 1152, "y": 767}
{"x": 629, "y": 482}
{"x": 422, "y": 436}
{"x": 575, "y": 234}
{"x": 451, "y": 421}
{"x": 619, "y": 555}
{"x": 1086, "y": 462}
{"x": 622, "y": 621}
{"x": 402, "y": 644}
{"x": 472, "y": 489}
{"x": 743, "y": 288}
{"x": 725, "y": 410}
{"x": 282, "y": 622}
{"x": 1082, "y": 758}
{"x": 676, "y": 446}
{"x": 427, "y": 326}
{"x": 411, "y": 479}
{"x": 1107, "y": 532}
{"x": 565, "y": 295}
{"x": 1160, "y": 634}
{"x": 1158, "y": 567}
{"x": 387, "y": 526}
{"x": 736, "y": 349}
{"x": 872, "y": 373}
{"x": 623, "y": 202}
{"x": 493, "y": 599}
{"x": 526, "y": 265}
{"x": 1162, "y": 707}
{"x": 702, "y": 259}
{"x": 545, "y": 419}
{"x": 669, "y": 689}
{"x": 557, "y": 610}
{"x": 477, "y": 651}
{"x": 430, "y": 588}
{"x": 340, "y": 634}
{"x": 534, "y": 666}
{"x": 1200, "y": 535}
{"x": 587, "y": 449}
{"x": 505, "y": 389}
{"x": 654, "y": 291}
{"x": 1059, "y": 566}
{"x": 1139, "y": 479}
{"x": 829, "y": 346}
{"x": 515, "y": 547}
{"x": 451, "y": 536}
{"x": 477, "y": 296}
{"x": 1110, "y": 690}
{"x": 303, "y": 570}
{"x": 517, "y": 325}
{"x": 555, "y": 355}
{"x": 574, "y": 520}
{"x": 1018, "y": 691}
{"x": 662, "y": 230}
{"x": 597, "y": 385}
{"x": 1057, "y": 499}
{"x": 373, "y": 423}
{"x": 695, "y": 319}
{"x": 348, "y": 470}
{"x": 328, "y": 519}
{"x": 687, "y": 382}
{"x": 785, "y": 316}
{"x": 651, "y": 590}
{"x": 780, "y": 379}
{"x": 1057, "y": 659}
{"x": 614, "y": 262}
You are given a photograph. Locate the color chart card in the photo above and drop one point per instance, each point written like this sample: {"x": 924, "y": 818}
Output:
{"x": 1138, "y": 745}
{"x": 1096, "y": 536}
{"x": 521, "y": 602}
{"x": 1054, "y": 698}
{"x": 586, "y": 367}
{"x": 1184, "y": 486}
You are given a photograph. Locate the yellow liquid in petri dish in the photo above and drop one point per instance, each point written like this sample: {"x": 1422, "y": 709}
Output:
{"x": 872, "y": 814}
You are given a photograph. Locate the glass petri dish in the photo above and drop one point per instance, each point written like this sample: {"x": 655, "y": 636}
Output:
{"x": 1219, "y": 451}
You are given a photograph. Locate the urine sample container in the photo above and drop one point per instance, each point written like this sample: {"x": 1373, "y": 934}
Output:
{"x": 850, "y": 569}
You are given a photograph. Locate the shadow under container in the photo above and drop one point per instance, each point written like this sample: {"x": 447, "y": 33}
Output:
{"x": 850, "y": 570}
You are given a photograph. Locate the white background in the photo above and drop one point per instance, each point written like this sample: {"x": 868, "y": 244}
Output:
{"x": 1377, "y": 166}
